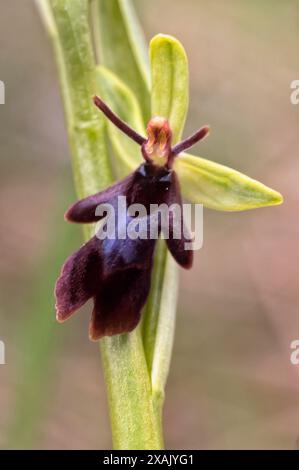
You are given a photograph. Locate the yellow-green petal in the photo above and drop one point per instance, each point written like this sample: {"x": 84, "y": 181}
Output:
{"x": 170, "y": 82}
{"x": 220, "y": 187}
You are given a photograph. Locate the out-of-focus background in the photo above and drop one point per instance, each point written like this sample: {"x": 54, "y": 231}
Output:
{"x": 231, "y": 383}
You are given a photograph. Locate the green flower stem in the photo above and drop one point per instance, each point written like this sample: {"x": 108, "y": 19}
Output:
{"x": 133, "y": 418}
{"x": 135, "y": 424}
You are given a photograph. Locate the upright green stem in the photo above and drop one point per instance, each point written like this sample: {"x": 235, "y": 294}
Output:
{"x": 134, "y": 421}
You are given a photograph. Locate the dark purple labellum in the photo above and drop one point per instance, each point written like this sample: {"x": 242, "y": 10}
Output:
{"x": 116, "y": 272}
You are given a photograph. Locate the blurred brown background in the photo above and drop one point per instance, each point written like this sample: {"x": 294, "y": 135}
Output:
{"x": 231, "y": 383}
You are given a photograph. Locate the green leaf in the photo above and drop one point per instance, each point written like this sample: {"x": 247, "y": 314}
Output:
{"x": 219, "y": 187}
{"x": 170, "y": 82}
{"x": 122, "y": 48}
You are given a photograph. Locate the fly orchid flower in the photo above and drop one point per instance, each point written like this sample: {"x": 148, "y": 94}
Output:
{"x": 116, "y": 273}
